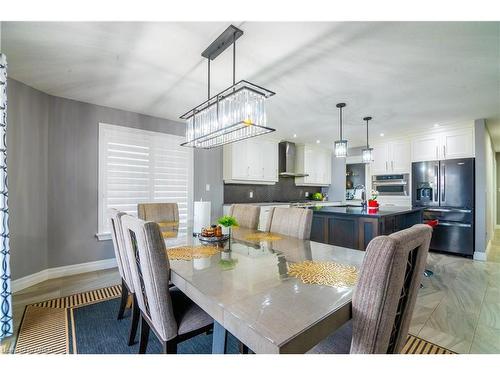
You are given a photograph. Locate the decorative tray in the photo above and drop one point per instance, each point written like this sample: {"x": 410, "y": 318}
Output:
{"x": 222, "y": 238}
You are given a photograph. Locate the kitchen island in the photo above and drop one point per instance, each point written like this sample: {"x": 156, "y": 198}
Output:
{"x": 354, "y": 227}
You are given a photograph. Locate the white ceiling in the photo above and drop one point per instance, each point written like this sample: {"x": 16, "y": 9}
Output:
{"x": 405, "y": 75}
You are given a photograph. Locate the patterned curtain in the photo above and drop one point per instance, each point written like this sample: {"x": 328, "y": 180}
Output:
{"x": 5, "y": 292}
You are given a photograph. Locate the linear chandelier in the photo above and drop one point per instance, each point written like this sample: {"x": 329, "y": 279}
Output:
{"x": 234, "y": 114}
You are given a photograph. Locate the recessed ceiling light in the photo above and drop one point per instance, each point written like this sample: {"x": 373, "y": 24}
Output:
{"x": 295, "y": 136}
{"x": 436, "y": 125}
{"x": 317, "y": 140}
{"x": 382, "y": 134}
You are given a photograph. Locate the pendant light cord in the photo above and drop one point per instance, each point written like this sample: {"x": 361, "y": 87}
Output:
{"x": 234, "y": 58}
{"x": 367, "y": 145}
{"x": 208, "y": 78}
{"x": 340, "y": 123}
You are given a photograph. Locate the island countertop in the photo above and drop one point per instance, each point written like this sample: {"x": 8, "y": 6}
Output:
{"x": 359, "y": 211}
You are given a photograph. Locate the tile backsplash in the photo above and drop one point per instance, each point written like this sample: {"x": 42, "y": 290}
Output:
{"x": 283, "y": 190}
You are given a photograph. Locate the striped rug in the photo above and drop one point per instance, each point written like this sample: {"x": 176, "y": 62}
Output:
{"x": 45, "y": 329}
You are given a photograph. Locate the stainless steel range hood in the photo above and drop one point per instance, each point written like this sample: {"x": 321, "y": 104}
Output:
{"x": 287, "y": 158}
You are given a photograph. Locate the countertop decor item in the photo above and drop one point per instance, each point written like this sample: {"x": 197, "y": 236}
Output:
{"x": 192, "y": 252}
{"x": 233, "y": 114}
{"x": 228, "y": 222}
{"x": 367, "y": 153}
{"x": 317, "y": 197}
{"x": 340, "y": 146}
{"x": 324, "y": 273}
{"x": 201, "y": 215}
{"x": 214, "y": 239}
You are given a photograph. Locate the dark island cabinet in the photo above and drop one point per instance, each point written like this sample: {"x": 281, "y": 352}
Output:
{"x": 356, "y": 231}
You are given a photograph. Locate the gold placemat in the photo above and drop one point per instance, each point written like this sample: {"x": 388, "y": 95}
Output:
{"x": 168, "y": 224}
{"x": 192, "y": 252}
{"x": 262, "y": 237}
{"x": 168, "y": 234}
{"x": 324, "y": 273}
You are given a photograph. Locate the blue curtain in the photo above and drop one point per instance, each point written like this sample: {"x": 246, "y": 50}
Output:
{"x": 5, "y": 291}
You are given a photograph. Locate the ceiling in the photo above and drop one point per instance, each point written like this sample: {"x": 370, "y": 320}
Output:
{"x": 406, "y": 75}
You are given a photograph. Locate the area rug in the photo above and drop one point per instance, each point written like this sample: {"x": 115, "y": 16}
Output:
{"x": 86, "y": 323}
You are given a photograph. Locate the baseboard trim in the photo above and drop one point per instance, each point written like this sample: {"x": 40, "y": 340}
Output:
{"x": 479, "y": 255}
{"x": 56, "y": 272}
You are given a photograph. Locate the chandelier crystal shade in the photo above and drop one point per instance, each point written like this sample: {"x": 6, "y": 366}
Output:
{"x": 340, "y": 146}
{"x": 234, "y": 114}
{"x": 367, "y": 153}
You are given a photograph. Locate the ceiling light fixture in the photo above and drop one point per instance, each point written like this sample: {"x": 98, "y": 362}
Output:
{"x": 382, "y": 134}
{"x": 232, "y": 115}
{"x": 318, "y": 141}
{"x": 340, "y": 146}
{"x": 367, "y": 152}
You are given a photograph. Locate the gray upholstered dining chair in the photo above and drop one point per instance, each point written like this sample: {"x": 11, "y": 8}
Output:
{"x": 170, "y": 314}
{"x": 293, "y": 222}
{"x": 158, "y": 212}
{"x": 115, "y": 224}
{"x": 384, "y": 299}
{"x": 246, "y": 215}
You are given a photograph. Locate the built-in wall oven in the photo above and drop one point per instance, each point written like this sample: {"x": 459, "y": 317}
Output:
{"x": 392, "y": 184}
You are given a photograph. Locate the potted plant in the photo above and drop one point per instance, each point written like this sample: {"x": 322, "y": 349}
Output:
{"x": 228, "y": 222}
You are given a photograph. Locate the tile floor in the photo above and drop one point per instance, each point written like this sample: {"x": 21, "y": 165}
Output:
{"x": 457, "y": 308}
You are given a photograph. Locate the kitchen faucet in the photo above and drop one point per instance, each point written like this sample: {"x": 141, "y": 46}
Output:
{"x": 363, "y": 194}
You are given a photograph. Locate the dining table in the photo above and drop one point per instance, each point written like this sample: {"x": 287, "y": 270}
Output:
{"x": 246, "y": 287}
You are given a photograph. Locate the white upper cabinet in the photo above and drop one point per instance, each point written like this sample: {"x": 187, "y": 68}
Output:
{"x": 425, "y": 148}
{"x": 391, "y": 157}
{"x": 316, "y": 162}
{"x": 458, "y": 144}
{"x": 452, "y": 144}
{"x": 252, "y": 161}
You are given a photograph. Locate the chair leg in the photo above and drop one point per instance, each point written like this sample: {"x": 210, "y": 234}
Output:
{"x": 243, "y": 348}
{"x": 143, "y": 343}
{"x": 123, "y": 301}
{"x": 169, "y": 347}
{"x": 134, "y": 321}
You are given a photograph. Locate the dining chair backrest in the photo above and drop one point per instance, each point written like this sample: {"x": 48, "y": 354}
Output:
{"x": 150, "y": 272}
{"x": 158, "y": 212}
{"x": 385, "y": 295}
{"x": 246, "y": 215}
{"x": 115, "y": 224}
{"x": 293, "y": 222}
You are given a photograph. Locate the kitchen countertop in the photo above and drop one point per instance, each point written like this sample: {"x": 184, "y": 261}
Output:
{"x": 359, "y": 211}
{"x": 286, "y": 203}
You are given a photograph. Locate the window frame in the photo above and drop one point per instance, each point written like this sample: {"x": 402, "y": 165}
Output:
{"x": 104, "y": 129}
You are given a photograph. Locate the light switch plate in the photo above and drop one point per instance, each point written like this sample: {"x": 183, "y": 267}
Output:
{"x": 307, "y": 194}
{"x": 250, "y": 194}
{"x": 207, "y": 187}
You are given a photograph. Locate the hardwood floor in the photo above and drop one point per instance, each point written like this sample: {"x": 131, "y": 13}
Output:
{"x": 457, "y": 308}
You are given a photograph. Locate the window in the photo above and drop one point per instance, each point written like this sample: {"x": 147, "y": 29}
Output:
{"x": 137, "y": 166}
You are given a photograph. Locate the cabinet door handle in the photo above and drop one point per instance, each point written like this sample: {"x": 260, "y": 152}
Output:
{"x": 437, "y": 158}
{"x": 386, "y": 165}
{"x": 392, "y": 165}
{"x": 444, "y": 151}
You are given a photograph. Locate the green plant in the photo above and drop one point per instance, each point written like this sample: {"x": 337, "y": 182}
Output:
{"x": 227, "y": 221}
{"x": 317, "y": 197}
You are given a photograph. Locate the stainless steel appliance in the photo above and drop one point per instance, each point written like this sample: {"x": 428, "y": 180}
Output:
{"x": 287, "y": 156}
{"x": 391, "y": 184}
{"x": 446, "y": 189}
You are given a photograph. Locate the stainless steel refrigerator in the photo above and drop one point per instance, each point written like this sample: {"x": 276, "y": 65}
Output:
{"x": 446, "y": 189}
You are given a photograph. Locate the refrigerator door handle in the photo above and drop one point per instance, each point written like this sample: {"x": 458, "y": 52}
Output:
{"x": 443, "y": 183}
{"x": 448, "y": 210}
{"x": 436, "y": 174}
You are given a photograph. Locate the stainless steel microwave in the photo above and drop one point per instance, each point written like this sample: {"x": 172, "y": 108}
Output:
{"x": 392, "y": 184}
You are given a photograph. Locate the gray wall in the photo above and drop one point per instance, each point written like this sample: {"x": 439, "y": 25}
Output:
{"x": 27, "y": 136}
{"x": 53, "y": 164}
{"x": 336, "y": 191}
{"x": 208, "y": 170}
